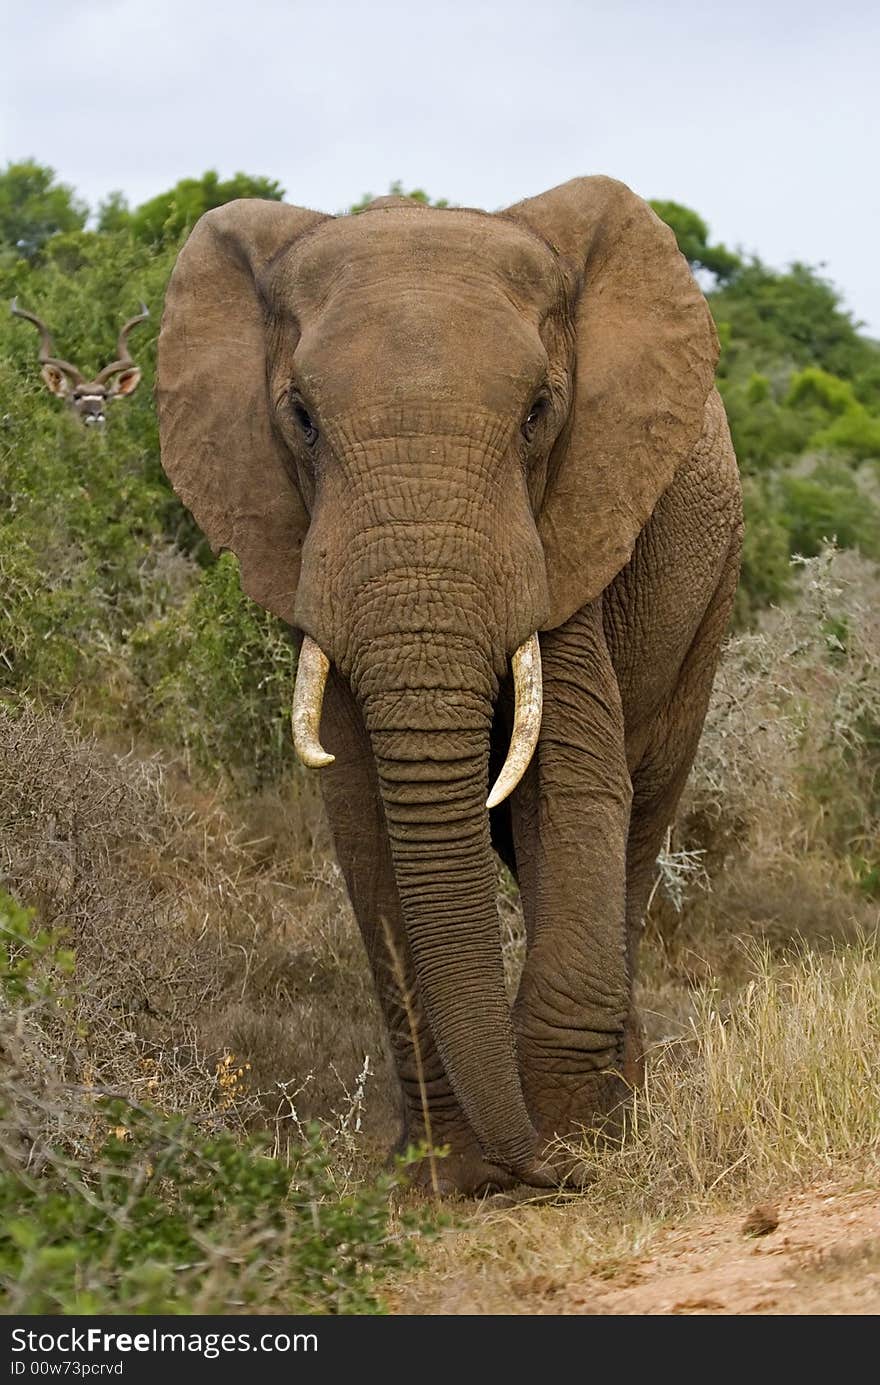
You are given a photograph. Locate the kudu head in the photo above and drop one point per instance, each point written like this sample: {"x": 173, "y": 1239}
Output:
{"x": 87, "y": 398}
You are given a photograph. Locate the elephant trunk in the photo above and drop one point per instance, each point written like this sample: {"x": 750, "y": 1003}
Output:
{"x": 433, "y": 788}
{"x": 432, "y": 754}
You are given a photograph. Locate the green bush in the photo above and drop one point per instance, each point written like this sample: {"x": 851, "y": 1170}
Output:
{"x": 217, "y": 678}
{"x": 167, "y": 1218}
{"x": 29, "y": 955}
{"x": 829, "y": 504}
{"x": 767, "y": 432}
{"x": 34, "y": 207}
{"x": 765, "y": 574}
{"x": 795, "y": 316}
{"x": 840, "y": 420}
{"x": 83, "y": 555}
{"x": 164, "y": 219}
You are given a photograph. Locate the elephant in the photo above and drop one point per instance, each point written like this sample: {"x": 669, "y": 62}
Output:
{"x": 479, "y": 463}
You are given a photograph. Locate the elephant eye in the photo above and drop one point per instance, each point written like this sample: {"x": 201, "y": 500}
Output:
{"x": 306, "y": 423}
{"x": 534, "y": 416}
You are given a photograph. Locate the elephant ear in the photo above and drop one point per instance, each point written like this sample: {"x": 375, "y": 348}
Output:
{"x": 646, "y": 354}
{"x": 219, "y": 448}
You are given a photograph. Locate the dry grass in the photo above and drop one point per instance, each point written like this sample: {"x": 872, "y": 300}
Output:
{"x": 776, "y": 1091}
{"x": 781, "y": 1084}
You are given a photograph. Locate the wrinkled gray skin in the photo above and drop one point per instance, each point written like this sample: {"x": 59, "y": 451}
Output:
{"x": 428, "y": 434}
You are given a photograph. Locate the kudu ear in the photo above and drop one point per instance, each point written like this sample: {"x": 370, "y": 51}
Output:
{"x": 56, "y": 381}
{"x": 125, "y": 383}
{"x": 218, "y": 445}
{"x": 646, "y": 353}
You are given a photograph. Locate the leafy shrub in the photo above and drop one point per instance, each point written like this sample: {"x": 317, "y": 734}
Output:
{"x": 34, "y": 207}
{"x": 797, "y": 379}
{"x": 767, "y": 431}
{"x": 165, "y": 1218}
{"x": 25, "y": 953}
{"x": 87, "y": 523}
{"x": 828, "y": 503}
{"x": 765, "y": 574}
{"x": 841, "y": 420}
{"x": 81, "y": 553}
{"x": 217, "y": 678}
{"x": 795, "y": 316}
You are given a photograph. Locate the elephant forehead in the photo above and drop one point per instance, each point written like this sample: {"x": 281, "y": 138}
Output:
{"x": 422, "y": 344}
{"x": 464, "y": 251}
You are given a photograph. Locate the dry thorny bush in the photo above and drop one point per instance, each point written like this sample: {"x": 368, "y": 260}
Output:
{"x": 218, "y": 970}
{"x": 218, "y": 965}
{"x": 776, "y": 835}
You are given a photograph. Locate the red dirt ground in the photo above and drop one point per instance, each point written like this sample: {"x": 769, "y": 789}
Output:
{"x": 822, "y": 1258}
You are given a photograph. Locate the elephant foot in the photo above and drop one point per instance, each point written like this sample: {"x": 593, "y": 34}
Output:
{"x": 461, "y": 1169}
{"x": 566, "y": 1108}
{"x": 566, "y": 1111}
{"x": 457, "y": 1169}
{"x": 458, "y": 1174}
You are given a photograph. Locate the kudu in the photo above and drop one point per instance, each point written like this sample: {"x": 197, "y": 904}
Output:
{"x": 87, "y": 398}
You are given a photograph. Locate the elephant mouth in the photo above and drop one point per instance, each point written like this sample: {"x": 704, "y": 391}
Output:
{"x": 308, "y": 697}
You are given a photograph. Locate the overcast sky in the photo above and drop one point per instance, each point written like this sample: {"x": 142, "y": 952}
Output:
{"x": 760, "y": 114}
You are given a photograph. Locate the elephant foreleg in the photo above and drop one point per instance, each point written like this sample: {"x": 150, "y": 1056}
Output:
{"x": 667, "y": 752}
{"x": 571, "y": 820}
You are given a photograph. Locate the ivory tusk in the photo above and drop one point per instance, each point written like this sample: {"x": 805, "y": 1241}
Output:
{"x": 528, "y": 694}
{"x": 308, "y": 697}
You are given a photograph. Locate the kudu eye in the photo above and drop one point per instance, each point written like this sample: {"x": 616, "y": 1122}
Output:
{"x": 306, "y": 423}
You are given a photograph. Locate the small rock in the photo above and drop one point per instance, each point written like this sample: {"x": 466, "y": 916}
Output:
{"x": 761, "y": 1220}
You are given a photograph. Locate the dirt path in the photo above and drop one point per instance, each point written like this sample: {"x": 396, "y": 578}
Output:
{"x": 822, "y": 1257}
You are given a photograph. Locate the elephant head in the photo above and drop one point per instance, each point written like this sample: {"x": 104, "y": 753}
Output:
{"x": 428, "y": 435}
